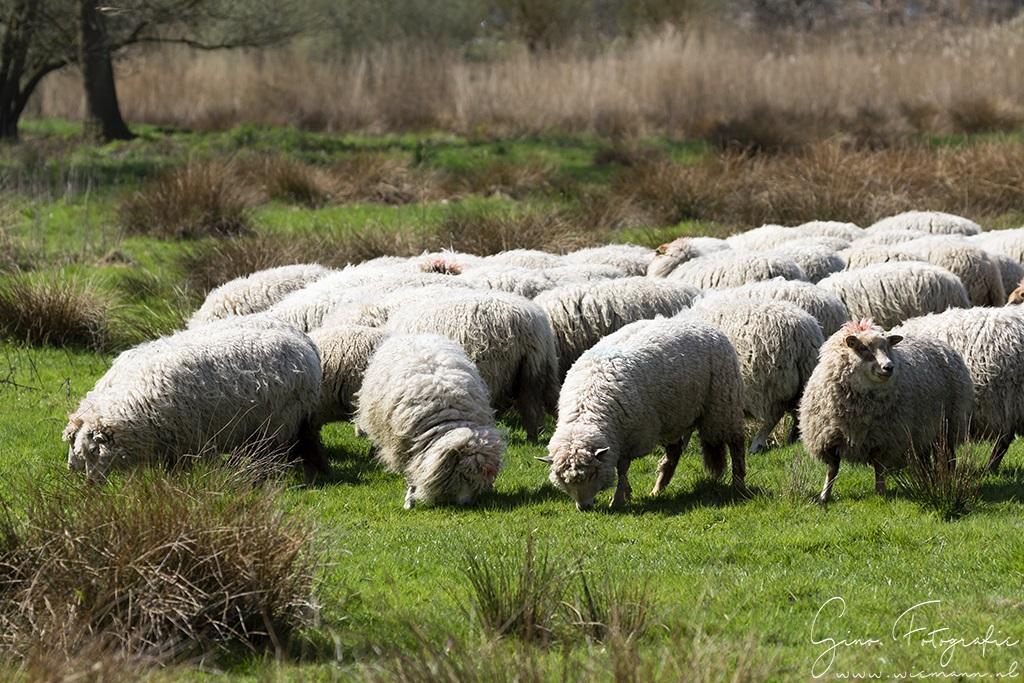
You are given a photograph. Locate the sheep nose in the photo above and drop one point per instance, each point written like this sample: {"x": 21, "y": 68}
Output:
{"x": 887, "y": 369}
{"x": 583, "y": 507}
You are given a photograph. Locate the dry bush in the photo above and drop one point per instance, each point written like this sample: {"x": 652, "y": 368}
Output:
{"x": 287, "y": 180}
{"x": 165, "y": 566}
{"x": 611, "y": 607}
{"x": 55, "y": 308}
{"x": 381, "y": 179}
{"x": 951, "y": 487}
{"x": 506, "y": 177}
{"x": 984, "y": 114}
{"x": 489, "y": 232}
{"x": 198, "y": 199}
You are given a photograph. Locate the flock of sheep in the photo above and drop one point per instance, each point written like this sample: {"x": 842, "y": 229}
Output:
{"x": 883, "y": 343}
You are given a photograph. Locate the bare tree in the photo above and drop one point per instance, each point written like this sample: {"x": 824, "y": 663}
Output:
{"x": 103, "y": 118}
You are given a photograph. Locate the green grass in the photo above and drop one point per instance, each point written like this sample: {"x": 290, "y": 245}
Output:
{"x": 736, "y": 569}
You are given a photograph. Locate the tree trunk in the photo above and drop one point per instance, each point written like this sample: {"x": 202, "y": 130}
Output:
{"x": 104, "y": 119}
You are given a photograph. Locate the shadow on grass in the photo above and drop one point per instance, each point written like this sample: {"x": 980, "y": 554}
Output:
{"x": 1005, "y": 486}
{"x": 349, "y": 465}
{"x": 521, "y": 497}
{"x": 706, "y": 493}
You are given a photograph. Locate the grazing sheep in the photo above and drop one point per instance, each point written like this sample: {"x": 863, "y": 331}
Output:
{"x": 990, "y": 341}
{"x": 869, "y": 401}
{"x": 734, "y": 268}
{"x": 817, "y": 262}
{"x": 777, "y": 344}
{"x": 893, "y": 292}
{"x": 582, "y": 272}
{"x": 256, "y": 292}
{"x": 652, "y": 382}
{"x": 862, "y": 256}
{"x": 445, "y": 262}
{"x": 834, "y": 243}
{"x": 345, "y": 352}
{"x": 1006, "y": 242}
{"x": 1010, "y": 271}
{"x": 629, "y": 258}
{"x": 582, "y": 314}
{"x": 889, "y": 237}
{"x": 932, "y": 222}
{"x": 527, "y": 282}
{"x": 508, "y": 337}
{"x": 212, "y": 389}
{"x": 524, "y": 258}
{"x": 427, "y": 411}
{"x": 838, "y": 229}
{"x": 672, "y": 254}
{"x": 823, "y": 305}
{"x": 762, "y": 238}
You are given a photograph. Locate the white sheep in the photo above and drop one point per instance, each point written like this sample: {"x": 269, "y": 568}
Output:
{"x": 582, "y": 272}
{"x": 835, "y": 229}
{"x": 672, "y": 254}
{"x": 525, "y": 258}
{"x": 777, "y": 344}
{"x": 629, "y": 258}
{"x": 734, "y": 268}
{"x": 256, "y": 292}
{"x": 761, "y": 238}
{"x": 652, "y": 382}
{"x": 816, "y": 261}
{"x": 824, "y": 306}
{"x": 426, "y": 409}
{"x": 893, "y": 292}
{"x": 209, "y": 390}
{"x": 582, "y": 314}
{"x": 345, "y": 352}
{"x": 1006, "y": 242}
{"x": 527, "y": 282}
{"x": 508, "y": 337}
{"x": 889, "y": 237}
{"x": 869, "y": 401}
{"x": 932, "y": 222}
{"x": 990, "y": 342}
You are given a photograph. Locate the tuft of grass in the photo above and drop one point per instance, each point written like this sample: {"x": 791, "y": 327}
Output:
{"x": 198, "y": 199}
{"x": 983, "y": 114}
{"x": 382, "y": 179}
{"x": 489, "y": 232}
{"x": 292, "y": 181}
{"x": 951, "y": 487}
{"x": 55, "y": 309}
{"x": 612, "y": 607}
{"x": 162, "y": 566}
{"x": 506, "y": 177}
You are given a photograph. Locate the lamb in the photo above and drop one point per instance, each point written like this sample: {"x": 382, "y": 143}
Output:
{"x": 651, "y": 382}
{"x": 893, "y": 292}
{"x": 582, "y": 314}
{"x": 989, "y": 340}
{"x": 256, "y": 292}
{"x": 629, "y": 258}
{"x": 932, "y": 222}
{"x": 777, "y": 344}
{"x": 426, "y": 409}
{"x": 817, "y": 262}
{"x": 672, "y": 254}
{"x": 734, "y": 268}
{"x": 878, "y": 398}
{"x": 212, "y": 389}
{"x": 525, "y": 258}
{"x": 1006, "y": 242}
{"x": 508, "y": 337}
{"x": 345, "y": 352}
{"x": 824, "y": 306}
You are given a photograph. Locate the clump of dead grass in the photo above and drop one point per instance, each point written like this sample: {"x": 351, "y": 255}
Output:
{"x": 54, "y": 308}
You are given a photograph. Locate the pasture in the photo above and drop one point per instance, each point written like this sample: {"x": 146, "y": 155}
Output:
{"x": 103, "y": 247}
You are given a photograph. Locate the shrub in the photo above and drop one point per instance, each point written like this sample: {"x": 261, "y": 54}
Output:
{"x": 983, "y": 114}
{"x": 489, "y": 232}
{"x": 56, "y": 309}
{"x": 611, "y": 607}
{"x": 381, "y": 179}
{"x": 292, "y": 181}
{"x": 197, "y": 199}
{"x": 948, "y": 486}
{"x": 508, "y": 177}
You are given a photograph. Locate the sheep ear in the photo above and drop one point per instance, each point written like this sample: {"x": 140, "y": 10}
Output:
{"x": 69, "y": 432}
{"x": 600, "y": 451}
{"x": 854, "y": 343}
{"x": 894, "y": 339}
{"x": 546, "y": 459}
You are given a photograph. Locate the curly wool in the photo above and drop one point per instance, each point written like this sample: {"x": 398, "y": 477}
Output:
{"x": 771, "y": 236}
{"x": 890, "y": 293}
{"x": 345, "y": 352}
{"x": 425, "y": 407}
{"x": 256, "y": 292}
{"x": 824, "y": 306}
{"x": 652, "y": 382}
{"x": 671, "y": 255}
{"x": 833, "y": 229}
{"x": 212, "y": 389}
{"x": 777, "y": 345}
{"x": 734, "y": 268}
{"x": 582, "y": 314}
{"x": 1005, "y": 242}
{"x": 582, "y": 272}
{"x": 845, "y": 415}
{"x": 508, "y": 337}
{"x": 888, "y": 237}
{"x": 524, "y": 258}
{"x": 932, "y": 222}
{"x": 816, "y": 261}
{"x": 990, "y": 341}
{"x": 629, "y": 258}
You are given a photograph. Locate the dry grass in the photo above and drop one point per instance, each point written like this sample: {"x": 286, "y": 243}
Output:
{"x": 383, "y": 179}
{"x": 489, "y": 232}
{"x": 54, "y": 308}
{"x": 951, "y": 487}
{"x": 197, "y": 199}
{"x": 674, "y": 83}
{"x": 163, "y": 567}
{"x": 506, "y": 177}
{"x": 287, "y": 180}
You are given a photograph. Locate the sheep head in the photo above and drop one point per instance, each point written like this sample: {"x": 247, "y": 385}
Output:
{"x": 582, "y": 466}
{"x": 869, "y": 352}
{"x": 459, "y": 466}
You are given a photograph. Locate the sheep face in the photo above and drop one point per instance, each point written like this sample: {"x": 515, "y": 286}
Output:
{"x": 459, "y": 467}
{"x": 91, "y": 450}
{"x": 871, "y": 356}
{"x": 581, "y": 468}
{"x": 1016, "y": 297}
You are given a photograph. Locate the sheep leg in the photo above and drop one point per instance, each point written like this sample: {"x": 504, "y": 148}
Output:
{"x": 531, "y": 410}
{"x": 667, "y": 466}
{"x": 739, "y": 464}
{"x": 410, "y": 499}
{"x": 880, "y": 488}
{"x": 830, "y": 479}
{"x": 309, "y": 450}
{"x": 623, "y": 491}
{"x": 760, "y": 441}
{"x": 1002, "y": 445}
{"x": 794, "y": 431}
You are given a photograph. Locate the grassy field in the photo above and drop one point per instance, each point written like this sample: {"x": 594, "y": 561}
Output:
{"x": 734, "y": 587}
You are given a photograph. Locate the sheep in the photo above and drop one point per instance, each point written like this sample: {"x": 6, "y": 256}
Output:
{"x": 876, "y": 398}
{"x": 734, "y": 268}
{"x": 525, "y": 258}
{"x": 777, "y": 344}
{"x": 427, "y": 411}
{"x": 835, "y": 229}
{"x": 1006, "y": 242}
{"x": 211, "y": 389}
{"x": 582, "y": 272}
{"x": 836, "y": 244}
{"x": 526, "y": 282}
{"x": 861, "y": 256}
{"x": 629, "y": 258}
{"x": 817, "y": 262}
{"x": 256, "y": 292}
{"x": 651, "y": 382}
{"x": 989, "y": 340}
{"x": 1010, "y": 271}
{"x": 345, "y": 352}
{"x": 670, "y": 255}
{"x": 824, "y": 306}
{"x": 893, "y": 292}
{"x": 508, "y": 337}
{"x": 933, "y": 222}
{"x": 889, "y": 237}
{"x": 1016, "y": 297}
{"x": 761, "y": 238}
{"x": 582, "y": 314}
